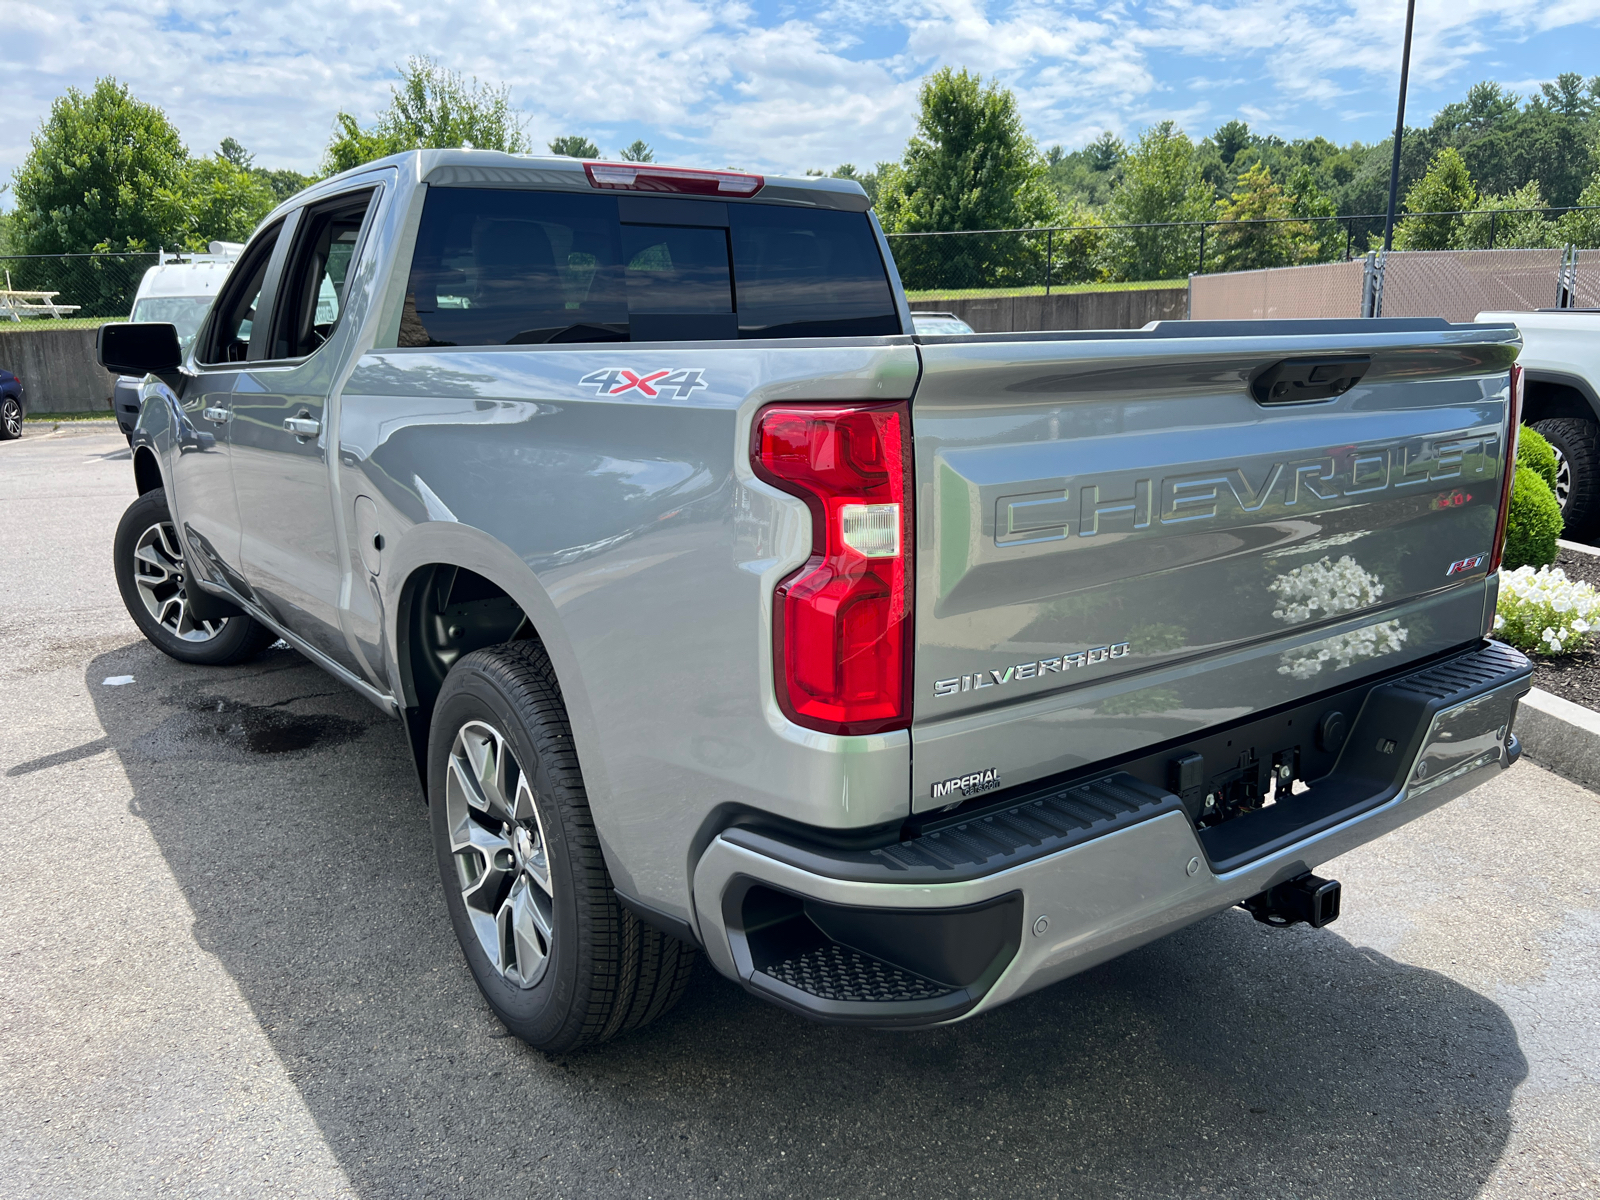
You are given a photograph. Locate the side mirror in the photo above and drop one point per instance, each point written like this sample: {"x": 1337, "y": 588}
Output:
{"x": 146, "y": 348}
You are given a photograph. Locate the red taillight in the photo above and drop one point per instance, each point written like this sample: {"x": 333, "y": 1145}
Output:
{"x": 689, "y": 181}
{"x": 1513, "y": 424}
{"x": 842, "y": 622}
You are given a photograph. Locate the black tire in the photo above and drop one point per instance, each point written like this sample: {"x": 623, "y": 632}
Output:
{"x": 1577, "y": 446}
{"x": 173, "y": 631}
{"x": 10, "y": 418}
{"x": 597, "y": 971}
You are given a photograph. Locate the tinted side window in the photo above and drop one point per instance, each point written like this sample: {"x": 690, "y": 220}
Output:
{"x": 498, "y": 267}
{"x": 805, "y": 272}
{"x": 229, "y": 339}
{"x": 313, "y": 294}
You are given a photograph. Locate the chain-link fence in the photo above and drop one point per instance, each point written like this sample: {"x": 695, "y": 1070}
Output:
{"x": 1454, "y": 284}
{"x": 1028, "y": 260}
{"x": 1459, "y": 284}
{"x": 1282, "y": 293}
{"x": 95, "y": 286}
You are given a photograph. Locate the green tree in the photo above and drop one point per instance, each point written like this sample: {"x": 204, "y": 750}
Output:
{"x": 1512, "y": 229}
{"x": 970, "y": 165}
{"x": 574, "y": 146}
{"x": 1083, "y": 179}
{"x": 97, "y": 174}
{"x": 430, "y": 108}
{"x": 1160, "y": 183}
{"x": 1324, "y": 240}
{"x": 639, "y": 151}
{"x": 218, "y": 200}
{"x": 1447, "y": 188}
{"x": 1231, "y": 139}
{"x": 1257, "y": 230}
{"x": 1583, "y": 228}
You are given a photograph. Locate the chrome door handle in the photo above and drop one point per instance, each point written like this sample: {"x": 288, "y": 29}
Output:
{"x": 216, "y": 415}
{"x": 305, "y": 427}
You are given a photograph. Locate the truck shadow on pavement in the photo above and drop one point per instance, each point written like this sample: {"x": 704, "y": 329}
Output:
{"x": 1227, "y": 1059}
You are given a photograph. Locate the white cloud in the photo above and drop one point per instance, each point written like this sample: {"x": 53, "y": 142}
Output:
{"x": 716, "y": 82}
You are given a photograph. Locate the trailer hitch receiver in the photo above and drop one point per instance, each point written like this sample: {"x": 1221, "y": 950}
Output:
{"x": 1303, "y": 898}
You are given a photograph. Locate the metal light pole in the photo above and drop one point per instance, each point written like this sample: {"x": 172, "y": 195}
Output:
{"x": 1399, "y": 127}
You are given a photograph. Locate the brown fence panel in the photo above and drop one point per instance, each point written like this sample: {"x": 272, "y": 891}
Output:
{"x": 1323, "y": 290}
{"x": 1459, "y": 284}
{"x": 1586, "y": 280}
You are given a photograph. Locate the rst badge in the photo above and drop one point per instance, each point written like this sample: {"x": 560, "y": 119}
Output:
{"x": 1462, "y": 565}
{"x": 616, "y": 381}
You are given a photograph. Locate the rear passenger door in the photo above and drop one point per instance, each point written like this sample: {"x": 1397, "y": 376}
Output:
{"x": 279, "y": 430}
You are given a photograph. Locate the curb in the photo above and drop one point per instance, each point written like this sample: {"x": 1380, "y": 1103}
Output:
{"x": 1578, "y": 547}
{"x": 1561, "y": 735}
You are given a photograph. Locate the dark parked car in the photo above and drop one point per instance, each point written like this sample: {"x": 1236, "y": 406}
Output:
{"x": 10, "y": 406}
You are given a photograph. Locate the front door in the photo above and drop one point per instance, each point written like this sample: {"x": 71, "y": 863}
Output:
{"x": 204, "y": 498}
{"x": 279, "y": 436}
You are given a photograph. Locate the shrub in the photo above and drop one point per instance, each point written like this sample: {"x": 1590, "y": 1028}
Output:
{"x": 1533, "y": 451}
{"x": 1534, "y": 522}
{"x": 1544, "y": 610}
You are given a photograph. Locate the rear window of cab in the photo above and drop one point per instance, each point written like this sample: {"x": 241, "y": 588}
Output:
{"x": 495, "y": 267}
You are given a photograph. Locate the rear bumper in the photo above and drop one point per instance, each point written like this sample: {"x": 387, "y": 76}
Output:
{"x": 957, "y": 921}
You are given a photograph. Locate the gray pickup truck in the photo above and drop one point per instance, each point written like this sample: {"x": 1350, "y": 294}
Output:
{"x": 901, "y": 675}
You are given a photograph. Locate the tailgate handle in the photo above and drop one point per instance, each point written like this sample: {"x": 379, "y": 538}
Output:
{"x": 1301, "y": 380}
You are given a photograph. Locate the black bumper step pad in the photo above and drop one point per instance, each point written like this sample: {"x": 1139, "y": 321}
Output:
{"x": 835, "y": 972}
{"x": 1048, "y": 819}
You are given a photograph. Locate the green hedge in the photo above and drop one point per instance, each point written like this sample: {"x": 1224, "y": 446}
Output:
{"x": 1534, "y": 522}
{"x": 1535, "y": 452}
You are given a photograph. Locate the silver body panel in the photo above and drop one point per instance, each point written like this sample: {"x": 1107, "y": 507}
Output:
{"x": 634, "y": 536}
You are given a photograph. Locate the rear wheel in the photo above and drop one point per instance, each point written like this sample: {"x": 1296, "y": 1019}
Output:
{"x": 1577, "y": 446}
{"x": 10, "y": 418}
{"x": 559, "y": 959}
{"x": 154, "y": 583}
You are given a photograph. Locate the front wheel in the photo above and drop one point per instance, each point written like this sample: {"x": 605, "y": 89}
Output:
{"x": 559, "y": 959}
{"x": 154, "y": 583}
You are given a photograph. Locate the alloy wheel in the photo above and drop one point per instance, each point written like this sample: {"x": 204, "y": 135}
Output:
{"x": 497, "y": 841}
{"x": 159, "y": 572}
{"x": 1563, "y": 478}
{"x": 11, "y": 414}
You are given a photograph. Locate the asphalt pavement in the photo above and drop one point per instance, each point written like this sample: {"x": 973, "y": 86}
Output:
{"x": 227, "y": 970}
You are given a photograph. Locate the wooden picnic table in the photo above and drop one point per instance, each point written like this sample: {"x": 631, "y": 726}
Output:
{"x": 17, "y": 304}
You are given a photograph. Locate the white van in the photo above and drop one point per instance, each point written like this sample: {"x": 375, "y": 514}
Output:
{"x": 178, "y": 291}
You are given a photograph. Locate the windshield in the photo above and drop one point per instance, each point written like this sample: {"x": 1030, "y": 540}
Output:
{"x": 186, "y": 312}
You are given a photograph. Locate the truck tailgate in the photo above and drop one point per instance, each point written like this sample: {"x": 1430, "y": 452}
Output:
{"x": 1123, "y": 539}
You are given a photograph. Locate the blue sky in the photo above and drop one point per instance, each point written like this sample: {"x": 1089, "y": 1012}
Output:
{"x": 781, "y": 87}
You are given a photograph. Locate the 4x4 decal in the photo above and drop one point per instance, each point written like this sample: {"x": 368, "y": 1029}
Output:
{"x": 614, "y": 381}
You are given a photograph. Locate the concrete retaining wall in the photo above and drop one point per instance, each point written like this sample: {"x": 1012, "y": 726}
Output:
{"x": 58, "y": 367}
{"x": 1066, "y": 310}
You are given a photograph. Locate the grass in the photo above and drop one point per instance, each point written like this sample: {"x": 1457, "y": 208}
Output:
{"x": 1058, "y": 289}
{"x": 32, "y": 323}
{"x": 101, "y": 414}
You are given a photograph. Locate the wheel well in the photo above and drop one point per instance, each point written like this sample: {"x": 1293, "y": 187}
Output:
{"x": 447, "y": 612}
{"x": 1543, "y": 400}
{"x": 146, "y": 471}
